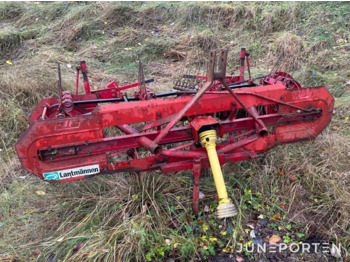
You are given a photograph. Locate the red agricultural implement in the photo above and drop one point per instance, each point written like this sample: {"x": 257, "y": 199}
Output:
{"x": 71, "y": 137}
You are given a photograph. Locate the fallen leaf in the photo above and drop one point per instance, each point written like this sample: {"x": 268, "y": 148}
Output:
{"x": 9, "y": 62}
{"x": 200, "y": 222}
{"x": 239, "y": 259}
{"x": 281, "y": 172}
{"x": 251, "y": 226}
{"x": 40, "y": 193}
{"x": 282, "y": 206}
{"x": 276, "y": 216}
{"x": 292, "y": 178}
{"x": 213, "y": 239}
{"x": 60, "y": 239}
{"x": 300, "y": 234}
{"x": 168, "y": 242}
{"x": 205, "y": 227}
{"x": 274, "y": 239}
{"x": 252, "y": 234}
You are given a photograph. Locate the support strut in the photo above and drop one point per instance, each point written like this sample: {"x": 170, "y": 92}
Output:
{"x": 196, "y": 176}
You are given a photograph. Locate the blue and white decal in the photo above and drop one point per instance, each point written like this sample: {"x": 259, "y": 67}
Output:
{"x": 74, "y": 172}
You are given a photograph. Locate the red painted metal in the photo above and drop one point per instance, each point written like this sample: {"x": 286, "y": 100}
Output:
{"x": 83, "y": 69}
{"x": 248, "y": 64}
{"x": 249, "y": 120}
{"x": 196, "y": 176}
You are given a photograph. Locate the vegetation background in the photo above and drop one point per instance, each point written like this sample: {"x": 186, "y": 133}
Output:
{"x": 298, "y": 193}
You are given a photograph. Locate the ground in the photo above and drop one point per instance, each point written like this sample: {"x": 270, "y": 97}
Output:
{"x": 298, "y": 192}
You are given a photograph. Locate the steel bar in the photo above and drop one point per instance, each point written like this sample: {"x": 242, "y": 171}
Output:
{"x": 142, "y": 140}
{"x": 196, "y": 176}
{"x": 263, "y": 129}
{"x": 179, "y": 115}
{"x": 176, "y": 135}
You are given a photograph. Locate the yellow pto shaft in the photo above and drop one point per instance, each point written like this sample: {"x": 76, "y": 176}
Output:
{"x": 226, "y": 208}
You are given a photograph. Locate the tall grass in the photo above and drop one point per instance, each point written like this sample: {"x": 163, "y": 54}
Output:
{"x": 126, "y": 217}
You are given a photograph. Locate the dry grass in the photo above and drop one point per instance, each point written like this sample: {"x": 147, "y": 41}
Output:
{"x": 122, "y": 218}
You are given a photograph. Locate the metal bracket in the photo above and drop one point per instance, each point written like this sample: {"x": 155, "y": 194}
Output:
{"x": 211, "y": 73}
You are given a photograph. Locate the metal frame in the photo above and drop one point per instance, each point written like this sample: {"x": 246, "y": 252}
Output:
{"x": 276, "y": 114}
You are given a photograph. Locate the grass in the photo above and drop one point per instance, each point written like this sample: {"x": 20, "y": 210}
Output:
{"x": 301, "y": 190}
